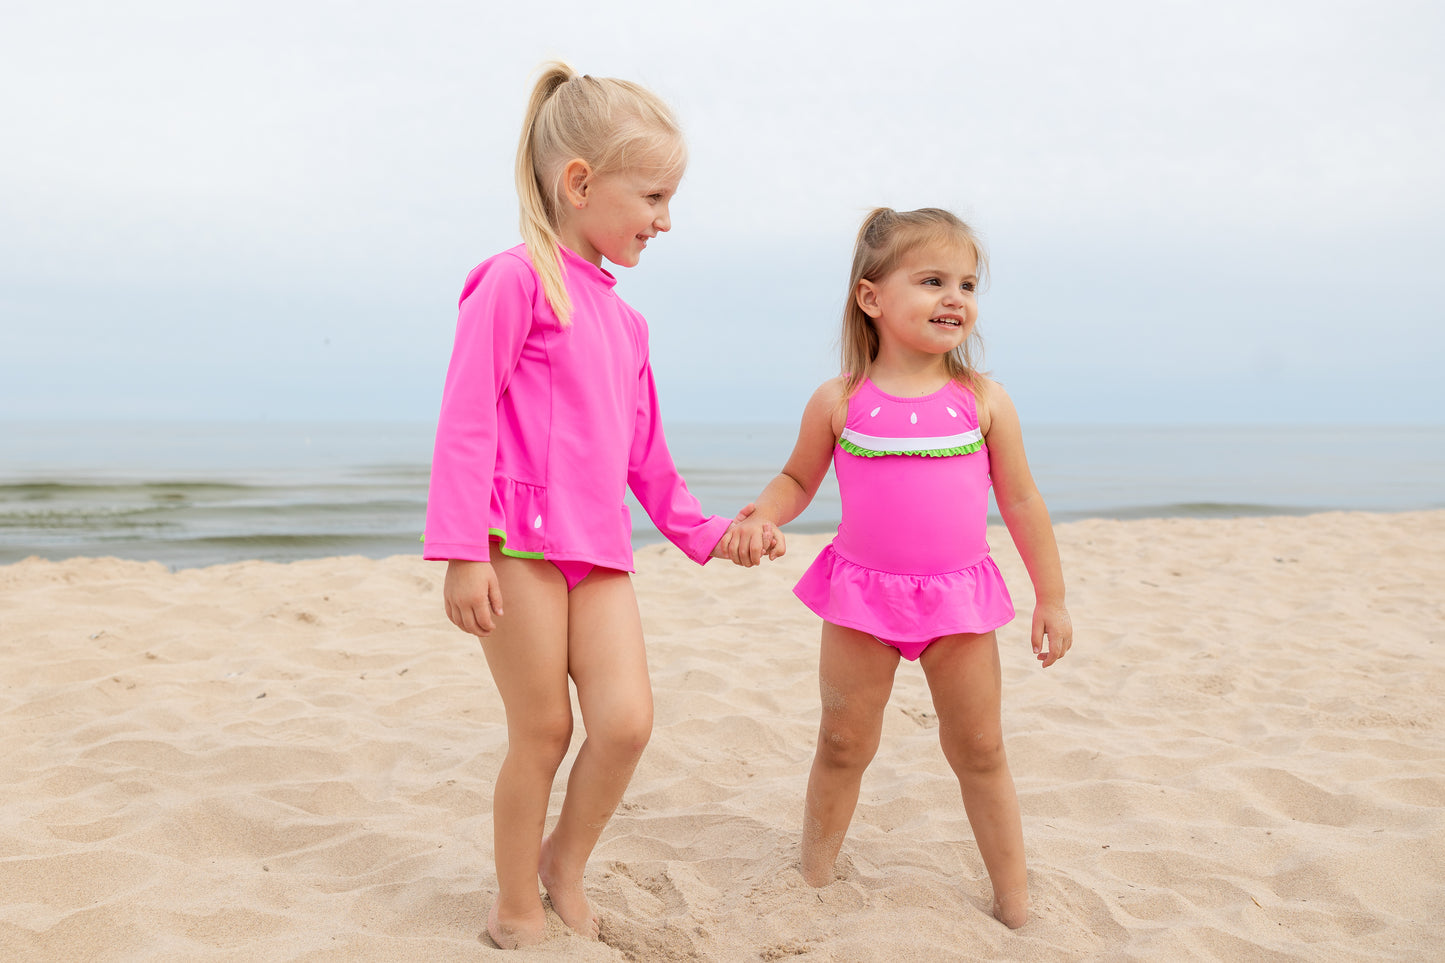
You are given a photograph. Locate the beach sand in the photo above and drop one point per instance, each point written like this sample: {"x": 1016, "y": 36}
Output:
{"x": 1241, "y": 759}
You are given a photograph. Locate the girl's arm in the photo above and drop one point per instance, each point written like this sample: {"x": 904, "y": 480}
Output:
{"x": 789, "y": 493}
{"x": 493, "y": 320}
{"x": 1027, "y": 518}
{"x": 654, "y": 479}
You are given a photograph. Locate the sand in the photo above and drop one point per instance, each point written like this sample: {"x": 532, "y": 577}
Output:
{"x": 1241, "y": 759}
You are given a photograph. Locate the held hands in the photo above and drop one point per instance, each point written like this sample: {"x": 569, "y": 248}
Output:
{"x": 1052, "y": 620}
{"x": 748, "y": 539}
{"x": 473, "y": 596}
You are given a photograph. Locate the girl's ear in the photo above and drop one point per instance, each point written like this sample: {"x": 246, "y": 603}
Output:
{"x": 867, "y": 298}
{"x": 576, "y": 182}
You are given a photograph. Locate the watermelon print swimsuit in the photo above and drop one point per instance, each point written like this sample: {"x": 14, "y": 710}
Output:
{"x": 910, "y": 562}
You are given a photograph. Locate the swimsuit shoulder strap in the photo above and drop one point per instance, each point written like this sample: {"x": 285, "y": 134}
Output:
{"x": 967, "y": 403}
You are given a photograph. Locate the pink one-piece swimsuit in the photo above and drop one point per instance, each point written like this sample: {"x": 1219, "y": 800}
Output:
{"x": 910, "y": 562}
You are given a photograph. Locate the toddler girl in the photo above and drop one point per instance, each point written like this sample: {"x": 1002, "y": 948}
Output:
{"x": 916, "y": 434}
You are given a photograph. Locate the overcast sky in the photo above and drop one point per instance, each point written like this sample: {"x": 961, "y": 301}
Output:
{"x": 1196, "y": 212}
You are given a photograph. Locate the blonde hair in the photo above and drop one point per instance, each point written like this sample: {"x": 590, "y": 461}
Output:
{"x": 886, "y": 237}
{"x": 613, "y": 125}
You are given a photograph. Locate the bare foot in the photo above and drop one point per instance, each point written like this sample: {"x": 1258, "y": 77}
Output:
{"x": 820, "y": 858}
{"x": 816, "y": 873}
{"x": 566, "y": 895}
{"x": 514, "y": 933}
{"x": 818, "y": 878}
{"x": 1012, "y": 908}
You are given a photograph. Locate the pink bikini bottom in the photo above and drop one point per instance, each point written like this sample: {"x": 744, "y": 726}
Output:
{"x": 909, "y": 650}
{"x": 574, "y": 572}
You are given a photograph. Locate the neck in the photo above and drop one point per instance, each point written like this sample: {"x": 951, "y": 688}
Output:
{"x": 573, "y": 240}
{"x": 908, "y": 373}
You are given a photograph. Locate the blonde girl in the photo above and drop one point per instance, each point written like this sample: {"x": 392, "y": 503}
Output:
{"x": 915, "y": 433}
{"x": 548, "y": 414}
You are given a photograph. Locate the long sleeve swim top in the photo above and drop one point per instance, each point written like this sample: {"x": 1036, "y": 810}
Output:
{"x": 542, "y": 427}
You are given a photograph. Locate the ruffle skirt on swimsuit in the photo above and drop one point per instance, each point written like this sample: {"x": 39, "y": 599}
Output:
{"x": 905, "y": 608}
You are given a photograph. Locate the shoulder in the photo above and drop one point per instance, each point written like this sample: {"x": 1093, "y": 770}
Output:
{"x": 506, "y": 286}
{"x": 830, "y": 397}
{"x": 514, "y": 262}
{"x": 639, "y": 323}
{"x": 831, "y": 392}
{"x": 829, "y": 404}
{"x": 994, "y": 406}
{"x": 510, "y": 268}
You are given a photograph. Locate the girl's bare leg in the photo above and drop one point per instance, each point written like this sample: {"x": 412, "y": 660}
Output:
{"x": 855, "y": 678}
{"x": 966, "y": 681}
{"x": 527, "y": 655}
{"x": 608, "y": 663}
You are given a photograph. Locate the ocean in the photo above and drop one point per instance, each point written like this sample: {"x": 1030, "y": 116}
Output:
{"x": 196, "y": 494}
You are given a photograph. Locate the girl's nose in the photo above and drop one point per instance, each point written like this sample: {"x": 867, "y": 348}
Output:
{"x": 663, "y": 220}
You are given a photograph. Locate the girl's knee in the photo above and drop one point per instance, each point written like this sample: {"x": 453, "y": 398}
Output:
{"x": 841, "y": 747}
{"x": 630, "y": 743}
{"x": 543, "y": 738}
{"x": 625, "y": 734}
{"x": 976, "y": 753}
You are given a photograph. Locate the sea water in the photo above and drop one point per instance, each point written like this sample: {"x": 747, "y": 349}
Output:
{"x": 192, "y": 494}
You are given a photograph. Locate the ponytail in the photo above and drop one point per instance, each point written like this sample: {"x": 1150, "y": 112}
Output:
{"x": 539, "y": 204}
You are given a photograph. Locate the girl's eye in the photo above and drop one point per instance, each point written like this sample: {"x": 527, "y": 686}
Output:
{"x": 968, "y": 285}
{"x": 933, "y": 281}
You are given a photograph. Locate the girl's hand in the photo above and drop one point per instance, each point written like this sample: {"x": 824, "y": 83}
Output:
{"x": 1053, "y": 621}
{"x": 724, "y": 546}
{"x": 777, "y": 545}
{"x": 727, "y": 546}
{"x": 756, "y": 538}
{"x": 473, "y": 596}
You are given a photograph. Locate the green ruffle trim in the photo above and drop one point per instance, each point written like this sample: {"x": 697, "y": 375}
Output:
{"x": 502, "y": 537}
{"x": 853, "y": 449}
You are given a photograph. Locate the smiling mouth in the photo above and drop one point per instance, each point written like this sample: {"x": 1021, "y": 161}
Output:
{"x": 950, "y": 322}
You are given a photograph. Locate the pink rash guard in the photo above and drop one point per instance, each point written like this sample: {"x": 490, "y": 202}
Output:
{"x": 543, "y": 428}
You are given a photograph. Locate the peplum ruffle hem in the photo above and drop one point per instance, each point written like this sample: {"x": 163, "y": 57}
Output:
{"x": 905, "y": 608}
